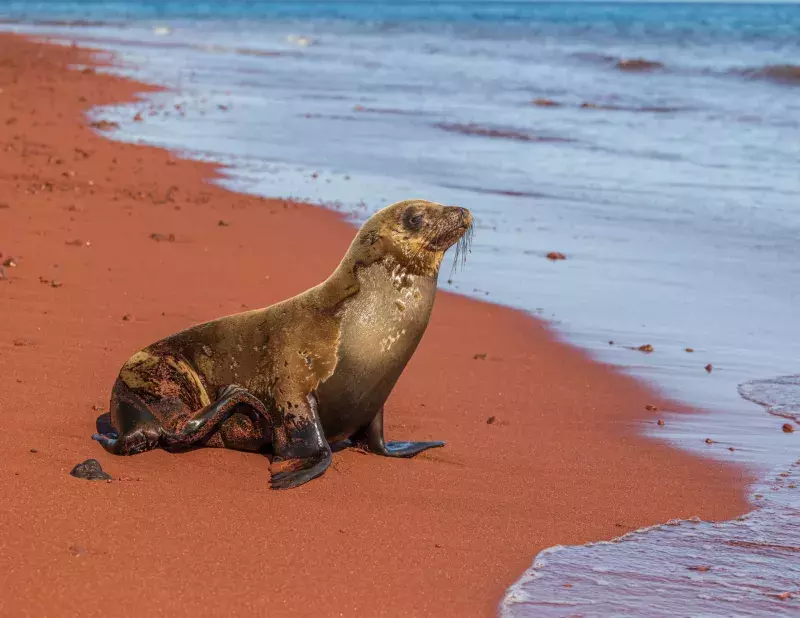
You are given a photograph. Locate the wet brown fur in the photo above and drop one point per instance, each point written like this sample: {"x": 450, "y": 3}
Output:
{"x": 343, "y": 343}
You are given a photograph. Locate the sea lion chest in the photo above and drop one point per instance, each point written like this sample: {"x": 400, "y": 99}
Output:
{"x": 380, "y": 329}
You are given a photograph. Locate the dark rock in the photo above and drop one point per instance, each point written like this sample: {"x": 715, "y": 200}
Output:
{"x": 91, "y": 471}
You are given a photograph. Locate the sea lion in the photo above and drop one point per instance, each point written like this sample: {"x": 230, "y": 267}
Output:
{"x": 304, "y": 373}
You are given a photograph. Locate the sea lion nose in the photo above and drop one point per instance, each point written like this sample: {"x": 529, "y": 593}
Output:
{"x": 466, "y": 216}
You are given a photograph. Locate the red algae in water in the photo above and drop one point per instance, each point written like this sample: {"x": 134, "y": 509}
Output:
{"x": 639, "y": 64}
{"x": 781, "y": 73}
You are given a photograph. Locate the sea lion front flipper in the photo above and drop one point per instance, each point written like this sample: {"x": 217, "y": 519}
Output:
{"x": 371, "y": 439}
{"x": 301, "y": 450}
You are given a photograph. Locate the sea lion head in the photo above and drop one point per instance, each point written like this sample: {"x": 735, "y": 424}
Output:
{"x": 416, "y": 234}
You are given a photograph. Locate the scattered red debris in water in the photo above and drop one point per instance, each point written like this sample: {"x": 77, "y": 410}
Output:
{"x": 545, "y": 103}
{"x": 639, "y": 64}
{"x": 105, "y": 125}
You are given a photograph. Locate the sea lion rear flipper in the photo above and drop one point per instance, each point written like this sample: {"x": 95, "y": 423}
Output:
{"x": 203, "y": 424}
{"x": 141, "y": 431}
{"x": 371, "y": 439}
{"x": 301, "y": 450}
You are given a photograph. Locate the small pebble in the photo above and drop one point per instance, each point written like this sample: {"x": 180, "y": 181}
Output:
{"x": 223, "y": 223}
{"x": 788, "y": 428}
{"x": 651, "y": 408}
{"x": 709, "y": 367}
{"x": 701, "y": 569}
{"x": 480, "y": 356}
{"x": 661, "y": 422}
{"x": 490, "y": 420}
{"x": 690, "y": 350}
{"x": 646, "y": 348}
{"x": 34, "y": 450}
{"x": 555, "y": 255}
{"x": 709, "y": 441}
{"x": 159, "y": 237}
{"x": 78, "y": 550}
{"x": 126, "y": 317}
{"x": 91, "y": 471}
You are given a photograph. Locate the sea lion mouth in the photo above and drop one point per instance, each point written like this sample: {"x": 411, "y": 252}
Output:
{"x": 458, "y": 232}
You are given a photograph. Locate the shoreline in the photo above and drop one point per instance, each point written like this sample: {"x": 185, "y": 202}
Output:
{"x": 444, "y": 534}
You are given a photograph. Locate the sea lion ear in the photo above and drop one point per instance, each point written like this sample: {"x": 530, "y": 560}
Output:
{"x": 370, "y": 238}
{"x": 373, "y": 245}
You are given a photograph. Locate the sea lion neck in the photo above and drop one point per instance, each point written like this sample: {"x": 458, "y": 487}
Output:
{"x": 373, "y": 251}
{"x": 350, "y": 272}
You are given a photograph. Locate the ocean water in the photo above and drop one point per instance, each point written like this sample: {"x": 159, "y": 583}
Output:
{"x": 671, "y": 185}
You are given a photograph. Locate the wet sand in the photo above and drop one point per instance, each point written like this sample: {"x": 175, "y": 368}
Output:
{"x": 200, "y": 533}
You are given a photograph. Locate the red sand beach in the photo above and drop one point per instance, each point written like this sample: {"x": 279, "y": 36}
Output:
{"x": 201, "y": 534}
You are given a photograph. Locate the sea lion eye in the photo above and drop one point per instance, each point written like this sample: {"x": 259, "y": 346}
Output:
{"x": 413, "y": 220}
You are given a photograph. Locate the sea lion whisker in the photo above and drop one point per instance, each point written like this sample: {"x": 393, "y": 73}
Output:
{"x": 463, "y": 247}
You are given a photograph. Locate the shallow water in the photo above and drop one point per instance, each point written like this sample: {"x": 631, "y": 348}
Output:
{"x": 674, "y": 191}
{"x": 746, "y": 567}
